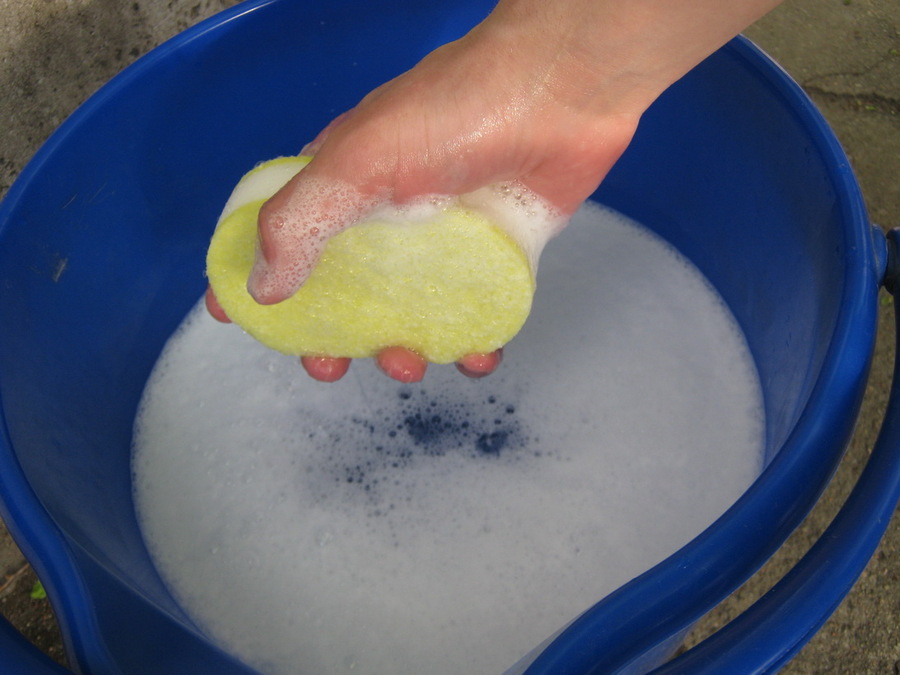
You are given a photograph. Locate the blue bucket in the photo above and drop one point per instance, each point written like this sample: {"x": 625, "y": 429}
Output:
{"x": 102, "y": 243}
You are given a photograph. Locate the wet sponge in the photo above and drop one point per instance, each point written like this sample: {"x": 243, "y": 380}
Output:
{"x": 444, "y": 286}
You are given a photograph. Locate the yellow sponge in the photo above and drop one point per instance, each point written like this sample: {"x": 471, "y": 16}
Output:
{"x": 451, "y": 285}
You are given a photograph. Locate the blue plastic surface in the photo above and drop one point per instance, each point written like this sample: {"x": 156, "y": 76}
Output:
{"x": 18, "y": 656}
{"x": 102, "y": 241}
{"x": 768, "y": 634}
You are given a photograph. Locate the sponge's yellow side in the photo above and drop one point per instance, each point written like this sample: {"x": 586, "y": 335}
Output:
{"x": 445, "y": 288}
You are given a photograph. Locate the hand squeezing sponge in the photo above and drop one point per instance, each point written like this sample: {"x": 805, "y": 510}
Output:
{"x": 446, "y": 283}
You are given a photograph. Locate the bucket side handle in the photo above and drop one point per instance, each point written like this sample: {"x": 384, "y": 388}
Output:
{"x": 775, "y": 628}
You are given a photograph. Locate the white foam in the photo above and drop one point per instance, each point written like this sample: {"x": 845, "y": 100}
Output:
{"x": 259, "y": 185}
{"x": 451, "y": 526}
{"x": 530, "y": 220}
{"x": 318, "y": 210}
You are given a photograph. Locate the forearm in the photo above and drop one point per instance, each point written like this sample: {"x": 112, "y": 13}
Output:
{"x": 618, "y": 55}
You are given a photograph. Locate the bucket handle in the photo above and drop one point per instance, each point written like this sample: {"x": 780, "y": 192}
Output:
{"x": 775, "y": 628}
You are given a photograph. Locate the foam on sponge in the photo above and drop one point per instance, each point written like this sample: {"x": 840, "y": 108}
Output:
{"x": 439, "y": 279}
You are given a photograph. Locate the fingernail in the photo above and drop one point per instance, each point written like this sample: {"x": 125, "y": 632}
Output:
{"x": 214, "y": 308}
{"x": 325, "y": 368}
{"x": 480, "y": 365}
{"x": 401, "y": 364}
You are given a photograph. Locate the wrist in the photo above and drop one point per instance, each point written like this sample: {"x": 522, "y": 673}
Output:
{"x": 581, "y": 57}
{"x": 611, "y": 56}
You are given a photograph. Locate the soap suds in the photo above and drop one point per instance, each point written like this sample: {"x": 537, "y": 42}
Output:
{"x": 450, "y": 526}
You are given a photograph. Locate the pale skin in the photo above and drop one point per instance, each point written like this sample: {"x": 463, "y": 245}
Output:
{"x": 566, "y": 85}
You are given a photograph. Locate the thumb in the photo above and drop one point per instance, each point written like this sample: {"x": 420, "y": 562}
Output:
{"x": 294, "y": 227}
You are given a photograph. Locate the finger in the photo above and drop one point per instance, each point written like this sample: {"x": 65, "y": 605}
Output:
{"x": 480, "y": 365}
{"x": 325, "y": 368}
{"x": 401, "y": 364}
{"x": 214, "y": 308}
{"x": 294, "y": 227}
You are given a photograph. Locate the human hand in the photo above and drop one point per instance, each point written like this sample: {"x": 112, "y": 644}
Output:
{"x": 447, "y": 127}
{"x": 525, "y": 97}
{"x": 398, "y": 363}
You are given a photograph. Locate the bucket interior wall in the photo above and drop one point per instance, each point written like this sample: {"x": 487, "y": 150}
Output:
{"x": 103, "y": 251}
{"x": 725, "y": 170}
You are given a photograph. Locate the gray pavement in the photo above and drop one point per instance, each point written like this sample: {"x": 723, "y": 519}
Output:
{"x": 845, "y": 53}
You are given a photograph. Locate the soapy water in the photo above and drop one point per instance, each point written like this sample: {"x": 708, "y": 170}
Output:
{"x": 451, "y": 526}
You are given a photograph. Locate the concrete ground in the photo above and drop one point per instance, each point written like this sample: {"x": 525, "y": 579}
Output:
{"x": 845, "y": 53}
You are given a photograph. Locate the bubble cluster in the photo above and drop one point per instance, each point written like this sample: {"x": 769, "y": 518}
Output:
{"x": 297, "y": 233}
{"x": 526, "y": 217}
{"x": 394, "y": 453}
{"x": 316, "y": 210}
